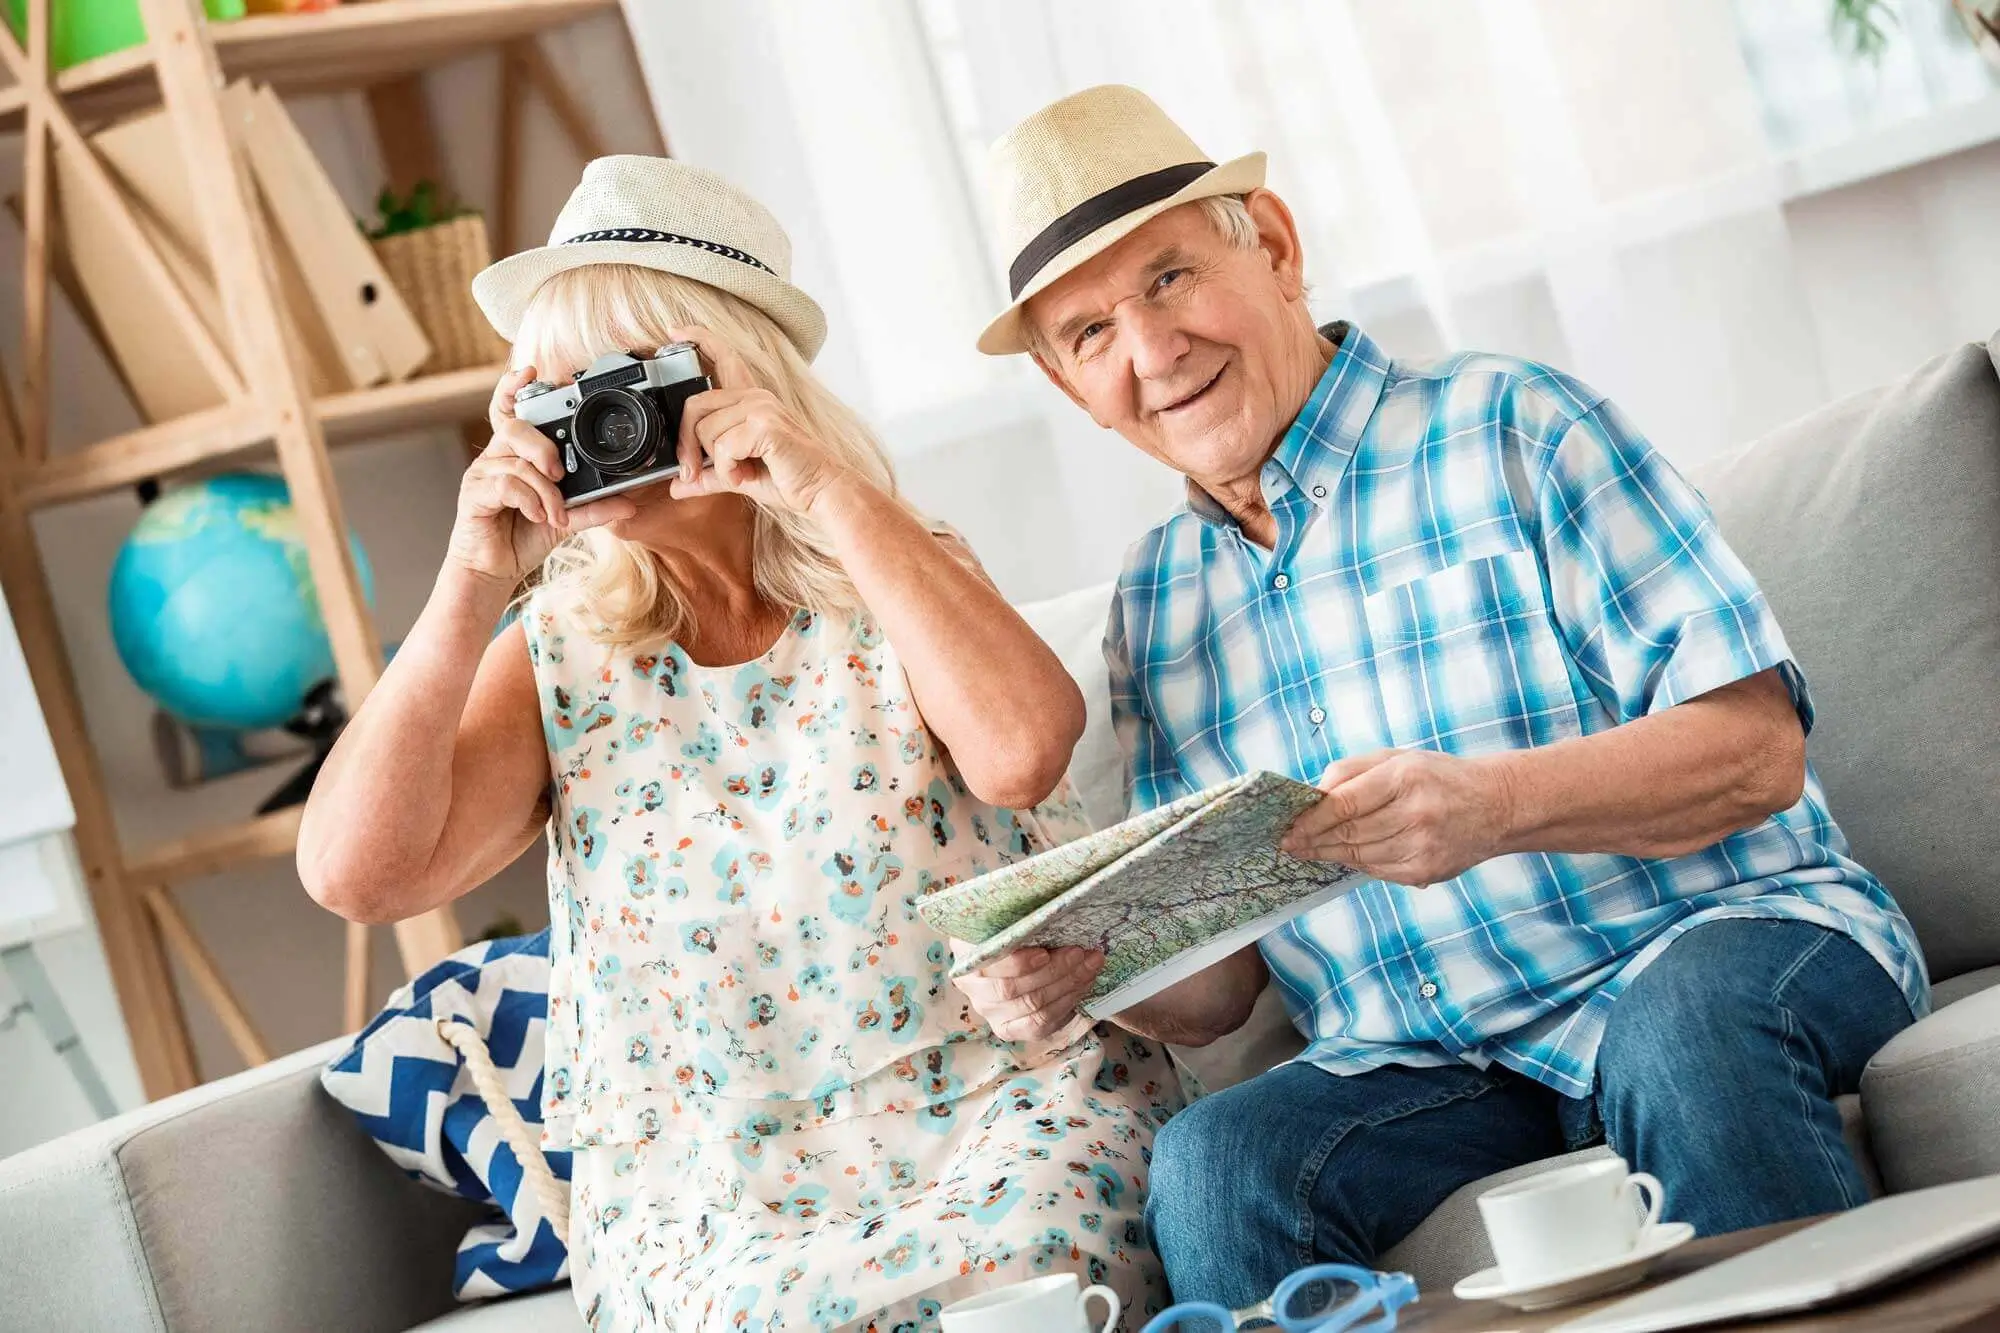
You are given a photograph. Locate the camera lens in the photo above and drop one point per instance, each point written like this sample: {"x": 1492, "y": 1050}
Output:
{"x": 618, "y": 430}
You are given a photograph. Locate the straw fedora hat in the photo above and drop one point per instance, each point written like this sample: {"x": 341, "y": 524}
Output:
{"x": 1080, "y": 175}
{"x": 660, "y": 214}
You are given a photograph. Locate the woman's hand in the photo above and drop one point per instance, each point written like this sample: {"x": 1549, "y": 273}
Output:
{"x": 753, "y": 444}
{"x": 1031, "y": 993}
{"x": 510, "y": 512}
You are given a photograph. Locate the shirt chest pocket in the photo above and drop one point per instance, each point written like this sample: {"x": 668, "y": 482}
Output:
{"x": 1466, "y": 655}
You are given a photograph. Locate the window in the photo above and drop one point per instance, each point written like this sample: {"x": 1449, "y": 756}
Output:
{"x": 1814, "y": 92}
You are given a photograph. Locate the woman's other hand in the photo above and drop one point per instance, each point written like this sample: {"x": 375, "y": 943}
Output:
{"x": 1032, "y": 993}
{"x": 511, "y": 513}
{"x": 739, "y": 437}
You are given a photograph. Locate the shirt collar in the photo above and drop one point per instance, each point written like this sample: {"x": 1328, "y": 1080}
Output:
{"x": 1324, "y": 436}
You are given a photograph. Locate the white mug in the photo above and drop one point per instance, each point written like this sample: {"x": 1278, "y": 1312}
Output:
{"x": 1049, "y": 1304}
{"x": 1569, "y": 1221}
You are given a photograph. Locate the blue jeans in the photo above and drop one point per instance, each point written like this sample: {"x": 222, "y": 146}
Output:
{"x": 1717, "y": 1073}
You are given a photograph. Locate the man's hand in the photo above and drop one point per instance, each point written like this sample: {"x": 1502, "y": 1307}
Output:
{"x": 1032, "y": 993}
{"x": 1412, "y": 817}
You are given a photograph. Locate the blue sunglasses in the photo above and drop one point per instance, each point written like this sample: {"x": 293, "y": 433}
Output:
{"x": 1326, "y": 1298}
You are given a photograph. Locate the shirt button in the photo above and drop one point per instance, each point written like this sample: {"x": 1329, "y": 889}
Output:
{"x": 1428, "y": 990}
{"x": 1319, "y": 492}
{"x": 1316, "y": 716}
{"x": 1282, "y": 582}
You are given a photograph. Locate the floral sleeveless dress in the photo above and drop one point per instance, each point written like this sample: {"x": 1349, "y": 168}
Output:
{"x": 784, "y": 1115}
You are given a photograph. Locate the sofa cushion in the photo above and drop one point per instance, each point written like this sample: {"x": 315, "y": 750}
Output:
{"x": 1964, "y": 986}
{"x": 1874, "y": 528}
{"x": 1073, "y": 625}
{"x": 250, "y": 1202}
{"x": 1930, "y": 1095}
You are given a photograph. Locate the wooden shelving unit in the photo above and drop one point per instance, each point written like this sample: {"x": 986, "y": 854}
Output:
{"x": 352, "y": 46}
{"x": 376, "y": 47}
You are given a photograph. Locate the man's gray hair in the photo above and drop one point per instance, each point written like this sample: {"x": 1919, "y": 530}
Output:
{"x": 1227, "y": 213}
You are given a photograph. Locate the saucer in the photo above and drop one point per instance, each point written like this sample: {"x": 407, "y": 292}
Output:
{"x": 1597, "y": 1280}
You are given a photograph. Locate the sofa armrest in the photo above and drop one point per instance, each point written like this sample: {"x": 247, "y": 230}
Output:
{"x": 251, "y": 1202}
{"x": 1930, "y": 1097}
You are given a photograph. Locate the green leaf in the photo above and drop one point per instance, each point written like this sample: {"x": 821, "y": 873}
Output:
{"x": 425, "y": 206}
{"x": 1863, "y": 26}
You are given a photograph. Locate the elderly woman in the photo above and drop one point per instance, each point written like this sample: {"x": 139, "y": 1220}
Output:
{"x": 762, "y": 710}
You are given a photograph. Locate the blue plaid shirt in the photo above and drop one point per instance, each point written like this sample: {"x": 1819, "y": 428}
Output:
{"x": 1474, "y": 556}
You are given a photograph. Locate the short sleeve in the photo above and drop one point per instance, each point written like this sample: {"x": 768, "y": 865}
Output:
{"x": 1152, "y": 775}
{"x": 1654, "y": 606}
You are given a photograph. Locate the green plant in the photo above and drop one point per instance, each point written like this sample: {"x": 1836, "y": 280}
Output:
{"x": 1863, "y": 26}
{"x": 425, "y": 206}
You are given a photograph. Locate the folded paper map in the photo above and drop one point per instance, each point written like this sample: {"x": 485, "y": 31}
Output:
{"x": 1164, "y": 894}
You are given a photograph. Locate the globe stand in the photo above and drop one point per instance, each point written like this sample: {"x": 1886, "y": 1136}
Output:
{"x": 319, "y": 724}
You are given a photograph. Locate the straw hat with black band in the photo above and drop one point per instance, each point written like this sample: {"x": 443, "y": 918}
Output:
{"x": 660, "y": 214}
{"x": 1080, "y": 175}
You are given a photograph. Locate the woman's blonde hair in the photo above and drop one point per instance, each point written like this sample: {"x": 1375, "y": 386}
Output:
{"x": 621, "y": 591}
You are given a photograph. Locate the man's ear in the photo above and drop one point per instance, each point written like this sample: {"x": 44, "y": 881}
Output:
{"x": 1278, "y": 235}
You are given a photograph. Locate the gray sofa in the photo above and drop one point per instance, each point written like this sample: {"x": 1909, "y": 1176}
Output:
{"x": 254, "y": 1203}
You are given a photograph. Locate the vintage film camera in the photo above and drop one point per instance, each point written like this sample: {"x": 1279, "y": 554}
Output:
{"x": 619, "y": 424}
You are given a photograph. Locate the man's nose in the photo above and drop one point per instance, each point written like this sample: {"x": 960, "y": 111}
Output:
{"x": 1155, "y": 343}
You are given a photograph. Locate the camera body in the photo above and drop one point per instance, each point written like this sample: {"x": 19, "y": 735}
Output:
{"x": 618, "y": 425}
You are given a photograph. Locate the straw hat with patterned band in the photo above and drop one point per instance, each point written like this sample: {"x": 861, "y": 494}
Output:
{"x": 1080, "y": 175}
{"x": 666, "y": 215}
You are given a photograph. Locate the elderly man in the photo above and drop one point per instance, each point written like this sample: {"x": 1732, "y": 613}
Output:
{"x": 1554, "y": 719}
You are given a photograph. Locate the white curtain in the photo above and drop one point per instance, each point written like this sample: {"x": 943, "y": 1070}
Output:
{"x": 1600, "y": 185}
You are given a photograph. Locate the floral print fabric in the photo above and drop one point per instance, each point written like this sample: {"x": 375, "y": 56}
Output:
{"x": 877, "y": 1223}
{"x": 754, "y": 1044}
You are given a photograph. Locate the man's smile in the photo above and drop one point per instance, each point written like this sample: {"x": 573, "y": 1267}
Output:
{"x": 1181, "y": 405}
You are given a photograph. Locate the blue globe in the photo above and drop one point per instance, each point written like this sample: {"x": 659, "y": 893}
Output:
{"x": 212, "y": 606}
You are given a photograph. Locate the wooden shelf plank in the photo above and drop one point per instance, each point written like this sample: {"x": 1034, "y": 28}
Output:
{"x": 428, "y": 400}
{"x": 350, "y": 46}
{"x": 153, "y": 451}
{"x": 216, "y": 849}
{"x": 150, "y": 451}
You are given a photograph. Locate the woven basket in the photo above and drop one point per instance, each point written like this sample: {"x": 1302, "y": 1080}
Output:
{"x": 433, "y": 268}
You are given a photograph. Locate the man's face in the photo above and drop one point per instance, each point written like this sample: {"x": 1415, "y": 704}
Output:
{"x": 1182, "y": 342}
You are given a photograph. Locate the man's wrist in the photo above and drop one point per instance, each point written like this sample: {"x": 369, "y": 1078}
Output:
{"x": 1510, "y": 802}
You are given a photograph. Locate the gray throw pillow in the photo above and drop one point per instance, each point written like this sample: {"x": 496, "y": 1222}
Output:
{"x": 1874, "y": 528}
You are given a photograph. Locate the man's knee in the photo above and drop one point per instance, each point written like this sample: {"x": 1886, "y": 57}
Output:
{"x": 1693, "y": 1014}
{"x": 1207, "y": 1155}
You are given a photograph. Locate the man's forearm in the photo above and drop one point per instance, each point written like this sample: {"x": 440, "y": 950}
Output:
{"x": 1663, "y": 785}
{"x": 1207, "y": 1006}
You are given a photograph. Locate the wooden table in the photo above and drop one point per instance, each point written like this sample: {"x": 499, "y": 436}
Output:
{"x": 1961, "y": 1296}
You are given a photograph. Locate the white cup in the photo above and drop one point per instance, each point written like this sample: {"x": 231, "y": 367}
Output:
{"x": 1049, "y": 1304}
{"x": 1569, "y": 1221}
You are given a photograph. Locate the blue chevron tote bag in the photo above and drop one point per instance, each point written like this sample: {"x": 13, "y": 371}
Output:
{"x": 448, "y": 1080}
